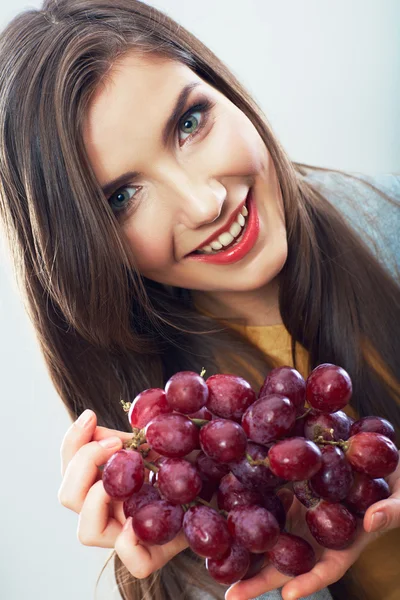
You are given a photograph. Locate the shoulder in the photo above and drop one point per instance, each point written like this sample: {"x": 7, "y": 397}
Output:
{"x": 375, "y": 217}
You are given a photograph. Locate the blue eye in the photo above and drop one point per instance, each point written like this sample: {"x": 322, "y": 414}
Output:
{"x": 194, "y": 119}
{"x": 191, "y": 122}
{"x": 122, "y": 198}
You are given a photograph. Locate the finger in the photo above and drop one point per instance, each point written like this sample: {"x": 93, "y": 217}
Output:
{"x": 383, "y": 515}
{"x": 394, "y": 479}
{"x": 77, "y": 435}
{"x": 103, "y": 432}
{"x": 332, "y": 565}
{"x": 82, "y": 472}
{"x": 96, "y": 526}
{"x": 267, "y": 579}
{"x": 142, "y": 560}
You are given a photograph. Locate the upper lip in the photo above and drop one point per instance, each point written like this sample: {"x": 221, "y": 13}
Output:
{"x": 223, "y": 228}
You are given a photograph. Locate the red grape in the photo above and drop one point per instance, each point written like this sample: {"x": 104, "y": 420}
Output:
{"x": 304, "y": 493}
{"x": 292, "y": 555}
{"x": 186, "y": 392}
{"x": 253, "y": 527}
{"x": 332, "y": 525}
{"x": 297, "y": 429}
{"x": 123, "y": 474}
{"x": 331, "y": 426}
{"x": 210, "y": 468}
{"x": 208, "y": 489}
{"x": 206, "y": 532}
{"x": 256, "y": 477}
{"x": 158, "y": 522}
{"x": 229, "y": 396}
{"x": 375, "y": 424}
{"x": 146, "y": 405}
{"x": 172, "y": 435}
{"x": 232, "y": 567}
{"x": 334, "y": 479}
{"x": 232, "y": 493}
{"x": 372, "y": 453}
{"x": 223, "y": 440}
{"x": 272, "y": 503}
{"x": 178, "y": 481}
{"x": 257, "y": 562}
{"x": 269, "y": 418}
{"x": 203, "y": 413}
{"x": 328, "y": 388}
{"x": 364, "y": 492}
{"x": 153, "y": 475}
{"x": 145, "y": 495}
{"x": 289, "y": 383}
{"x": 295, "y": 459}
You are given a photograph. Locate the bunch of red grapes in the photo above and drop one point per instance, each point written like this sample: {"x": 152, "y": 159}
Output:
{"x": 243, "y": 449}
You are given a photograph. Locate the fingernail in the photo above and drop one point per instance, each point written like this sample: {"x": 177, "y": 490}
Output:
{"x": 378, "y": 521}
{"x": 127, "y": 524}
{"x": 110, "y": 442}
{"x": 85, "y": 418}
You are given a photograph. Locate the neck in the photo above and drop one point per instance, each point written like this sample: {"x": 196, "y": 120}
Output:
{"x": 251, "y": 308}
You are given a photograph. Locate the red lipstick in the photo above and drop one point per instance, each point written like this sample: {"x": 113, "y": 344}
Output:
{"x": 239, "y": 249}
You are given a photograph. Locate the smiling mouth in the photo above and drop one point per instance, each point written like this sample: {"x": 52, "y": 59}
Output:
{"x": 235, "y": 248}
{"x": 229, "y": 236}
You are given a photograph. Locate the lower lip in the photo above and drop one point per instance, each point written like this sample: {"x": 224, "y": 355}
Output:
{"x": 239, "y": 250}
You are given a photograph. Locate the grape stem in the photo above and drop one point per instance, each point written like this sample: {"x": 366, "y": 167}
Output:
{"x": 342, "y": 443}
{"x": 254, "y": 463}
{"x": 137, "y": 439}
{"x": 199, "y": 422}
{"x": 201, "y": 501}
{"x": 125, "y": 405}
{"x": 150, "y": 466}
{"x": 304, "y": 414}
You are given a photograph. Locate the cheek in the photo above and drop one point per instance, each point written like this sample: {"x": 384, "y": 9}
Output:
{"x": 238, "y": 149}
{"x": 151, "y": 245}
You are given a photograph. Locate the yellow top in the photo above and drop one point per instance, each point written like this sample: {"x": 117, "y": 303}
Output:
{"x": 376, "y": 573}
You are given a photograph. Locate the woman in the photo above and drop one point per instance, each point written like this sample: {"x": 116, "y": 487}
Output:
{"x": 128, "y": 151}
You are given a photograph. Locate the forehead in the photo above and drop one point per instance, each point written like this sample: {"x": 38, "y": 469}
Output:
{"x": 134, "y": 98}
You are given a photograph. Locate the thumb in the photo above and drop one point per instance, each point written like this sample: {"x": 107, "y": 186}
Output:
{"x": 383, "y": 515}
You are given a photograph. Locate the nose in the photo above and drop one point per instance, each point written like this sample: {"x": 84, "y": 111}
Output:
{"x": 198, "y": 204}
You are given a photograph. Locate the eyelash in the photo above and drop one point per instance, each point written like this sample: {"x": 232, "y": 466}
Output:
{"x": 204, "y": 107}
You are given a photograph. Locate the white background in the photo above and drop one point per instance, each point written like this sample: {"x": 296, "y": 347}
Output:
{"x": 327, "y": 75}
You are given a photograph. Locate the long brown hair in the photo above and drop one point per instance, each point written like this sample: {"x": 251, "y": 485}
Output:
{"x": 105, "y": 331}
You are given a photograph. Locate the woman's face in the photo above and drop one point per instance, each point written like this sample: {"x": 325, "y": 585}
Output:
{"x": 193, "y": 178}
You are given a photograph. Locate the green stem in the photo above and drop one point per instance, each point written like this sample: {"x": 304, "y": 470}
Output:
{"x": 137, "y": 439}
{"x": 201, "y": 501}
{"x": 125, "y": 405}
{"x": 304, "y": 414}
{"x": 150, "y": 466}
{"x": 254, "y": 463}
{"x": 200, "y": 422}
{"x": 320, "y": 440}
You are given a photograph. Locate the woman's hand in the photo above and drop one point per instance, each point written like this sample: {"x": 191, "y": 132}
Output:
{"x": 332, "y": 564}
{"x": 101, "y": 519}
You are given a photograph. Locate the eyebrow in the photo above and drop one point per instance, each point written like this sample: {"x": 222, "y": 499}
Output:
{"x": 178, "y": 108}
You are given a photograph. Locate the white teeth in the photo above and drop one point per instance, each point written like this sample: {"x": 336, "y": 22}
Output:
{"x": 225, "y": 238}
{"x": 235, "y": 229}
{"x": 215, "y": 246}
{"x": 240, "y": 219}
